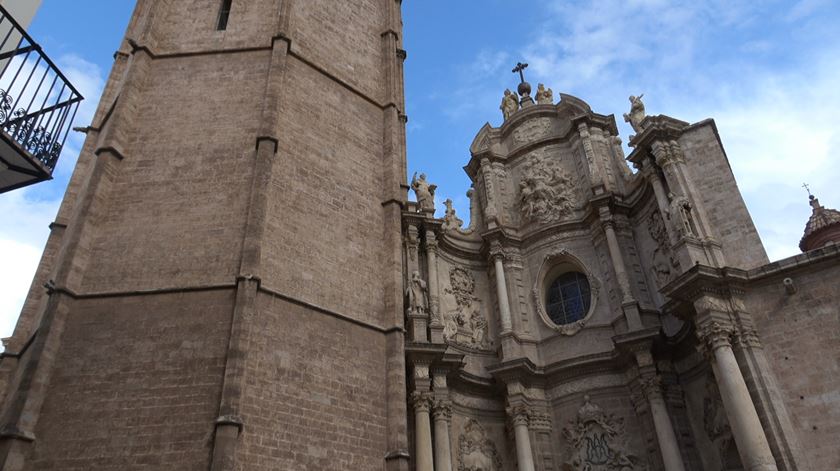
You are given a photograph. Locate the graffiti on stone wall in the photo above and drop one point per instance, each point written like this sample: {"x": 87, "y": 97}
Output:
{"x": 465, "y": 325}
{"x": 598, "y": 442}
{"x": 475, "y": 451}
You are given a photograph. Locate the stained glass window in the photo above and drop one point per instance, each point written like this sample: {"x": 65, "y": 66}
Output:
{"x": 568, "y": 298}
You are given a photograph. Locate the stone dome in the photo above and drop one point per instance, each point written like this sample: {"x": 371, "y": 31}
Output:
{"x": 823, "y": 227}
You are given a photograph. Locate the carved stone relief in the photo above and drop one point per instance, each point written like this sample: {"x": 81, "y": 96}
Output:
{"x": 598, "y": 442}
{"x": 546, "y": 192}
{"x": 664, "y": 263}
{"x": 531, "y": 131}
{"x": 716, "y": 424}
{"x": 475, "y": 451}
{"x": 465, "y": 325}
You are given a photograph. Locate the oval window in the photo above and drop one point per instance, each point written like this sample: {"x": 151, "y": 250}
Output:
{"x": 568, "y": 298}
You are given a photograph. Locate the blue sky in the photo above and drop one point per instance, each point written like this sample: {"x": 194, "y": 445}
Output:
{"x": 768, "y": 72}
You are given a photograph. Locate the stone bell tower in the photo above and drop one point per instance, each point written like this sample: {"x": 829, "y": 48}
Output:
{"x": 222, "y": 287}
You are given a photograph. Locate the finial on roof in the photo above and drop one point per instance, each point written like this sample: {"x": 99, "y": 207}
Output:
{"x": 823, "y": 226}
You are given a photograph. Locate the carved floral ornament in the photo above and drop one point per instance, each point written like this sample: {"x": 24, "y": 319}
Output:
{"x": 475, "y": 451}
{"x": 554, "y": 264}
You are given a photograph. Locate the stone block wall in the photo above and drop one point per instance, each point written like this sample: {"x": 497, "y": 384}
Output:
{"x": 315, "y": 396}
{"x": 713, "y": 179}
{"x": 136, "y": 384}
{"x": 800, "y": 333}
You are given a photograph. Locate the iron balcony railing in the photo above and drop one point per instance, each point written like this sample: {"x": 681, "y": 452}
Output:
{"x": 37, "y": 105}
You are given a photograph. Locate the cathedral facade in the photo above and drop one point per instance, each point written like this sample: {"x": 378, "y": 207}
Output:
{"x": 191, "y": 311}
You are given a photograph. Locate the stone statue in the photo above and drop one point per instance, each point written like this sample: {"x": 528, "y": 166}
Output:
{"x": 424, "y": 191}
{"x": 544, "y": 97}
{"x": 510, "y": 104}
{"x": 680, "y": 213}
{"x": 637, "y": 113}
{"x": 450, "y": 220}
{"x": 418, "y": 303}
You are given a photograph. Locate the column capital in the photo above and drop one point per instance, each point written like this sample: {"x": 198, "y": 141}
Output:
{"x": 519, "y": 414}
{"x": 421, "y": 401}
{"x": 652, "y": 387}
{"x": 747, "y": 338}
{"x": 715, "y": 335}
{"x": 442, "y": 409}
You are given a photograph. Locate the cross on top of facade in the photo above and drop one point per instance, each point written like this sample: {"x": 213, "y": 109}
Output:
{"x": 520, "y": 67}
{"x": 807, "y": 188}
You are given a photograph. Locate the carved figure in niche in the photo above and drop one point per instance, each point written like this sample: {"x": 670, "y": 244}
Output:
{"x": 418, "y": 302}
{"x": 544, "y": 96}
{"x": 665, "y": 264}
{"x": 598, "y": 442}
{"x": 424, "y": 191}
{"x": 475, "y": 451}
{"x": 545, "y": 191}
{"x": 636, "y": 114}
{"x": 680, "y": 214}
{"x": 450, "y": 220}
{"x": 465, "y": 325}
{"x": 510, "y": 104}
{"x": 716, "y": 423}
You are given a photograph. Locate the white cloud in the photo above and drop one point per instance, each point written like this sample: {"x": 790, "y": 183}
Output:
{"x": 23, "y": 234}
{"x": 28, "y": 212}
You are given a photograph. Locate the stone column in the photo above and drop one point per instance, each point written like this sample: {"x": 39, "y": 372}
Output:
{"x": 631, "y": 312}
{"x": 443, "y": 454}
{"x": 524, "y": 454}
{"x": 668, "y": 445}
{"x": 743, "y": 419}
{"x": 422, "y": 402}
{"x": 436, "y": 326}
{"x": 501, "y": 292}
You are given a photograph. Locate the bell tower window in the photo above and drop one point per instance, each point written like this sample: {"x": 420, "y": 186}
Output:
{"x": 224, "y": 15}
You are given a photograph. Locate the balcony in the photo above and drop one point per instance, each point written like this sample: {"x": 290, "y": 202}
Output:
{"x": 37, "y": 108}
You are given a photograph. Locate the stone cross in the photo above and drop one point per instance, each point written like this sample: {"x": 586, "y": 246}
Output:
{"x": 807, "y": 188}
{"x": 520, "y": 67}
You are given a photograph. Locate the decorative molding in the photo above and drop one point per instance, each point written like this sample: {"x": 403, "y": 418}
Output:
{"x": 538, "y": 291}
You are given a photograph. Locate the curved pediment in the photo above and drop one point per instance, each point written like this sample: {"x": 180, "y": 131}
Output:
{"x": 482, "y": 141}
